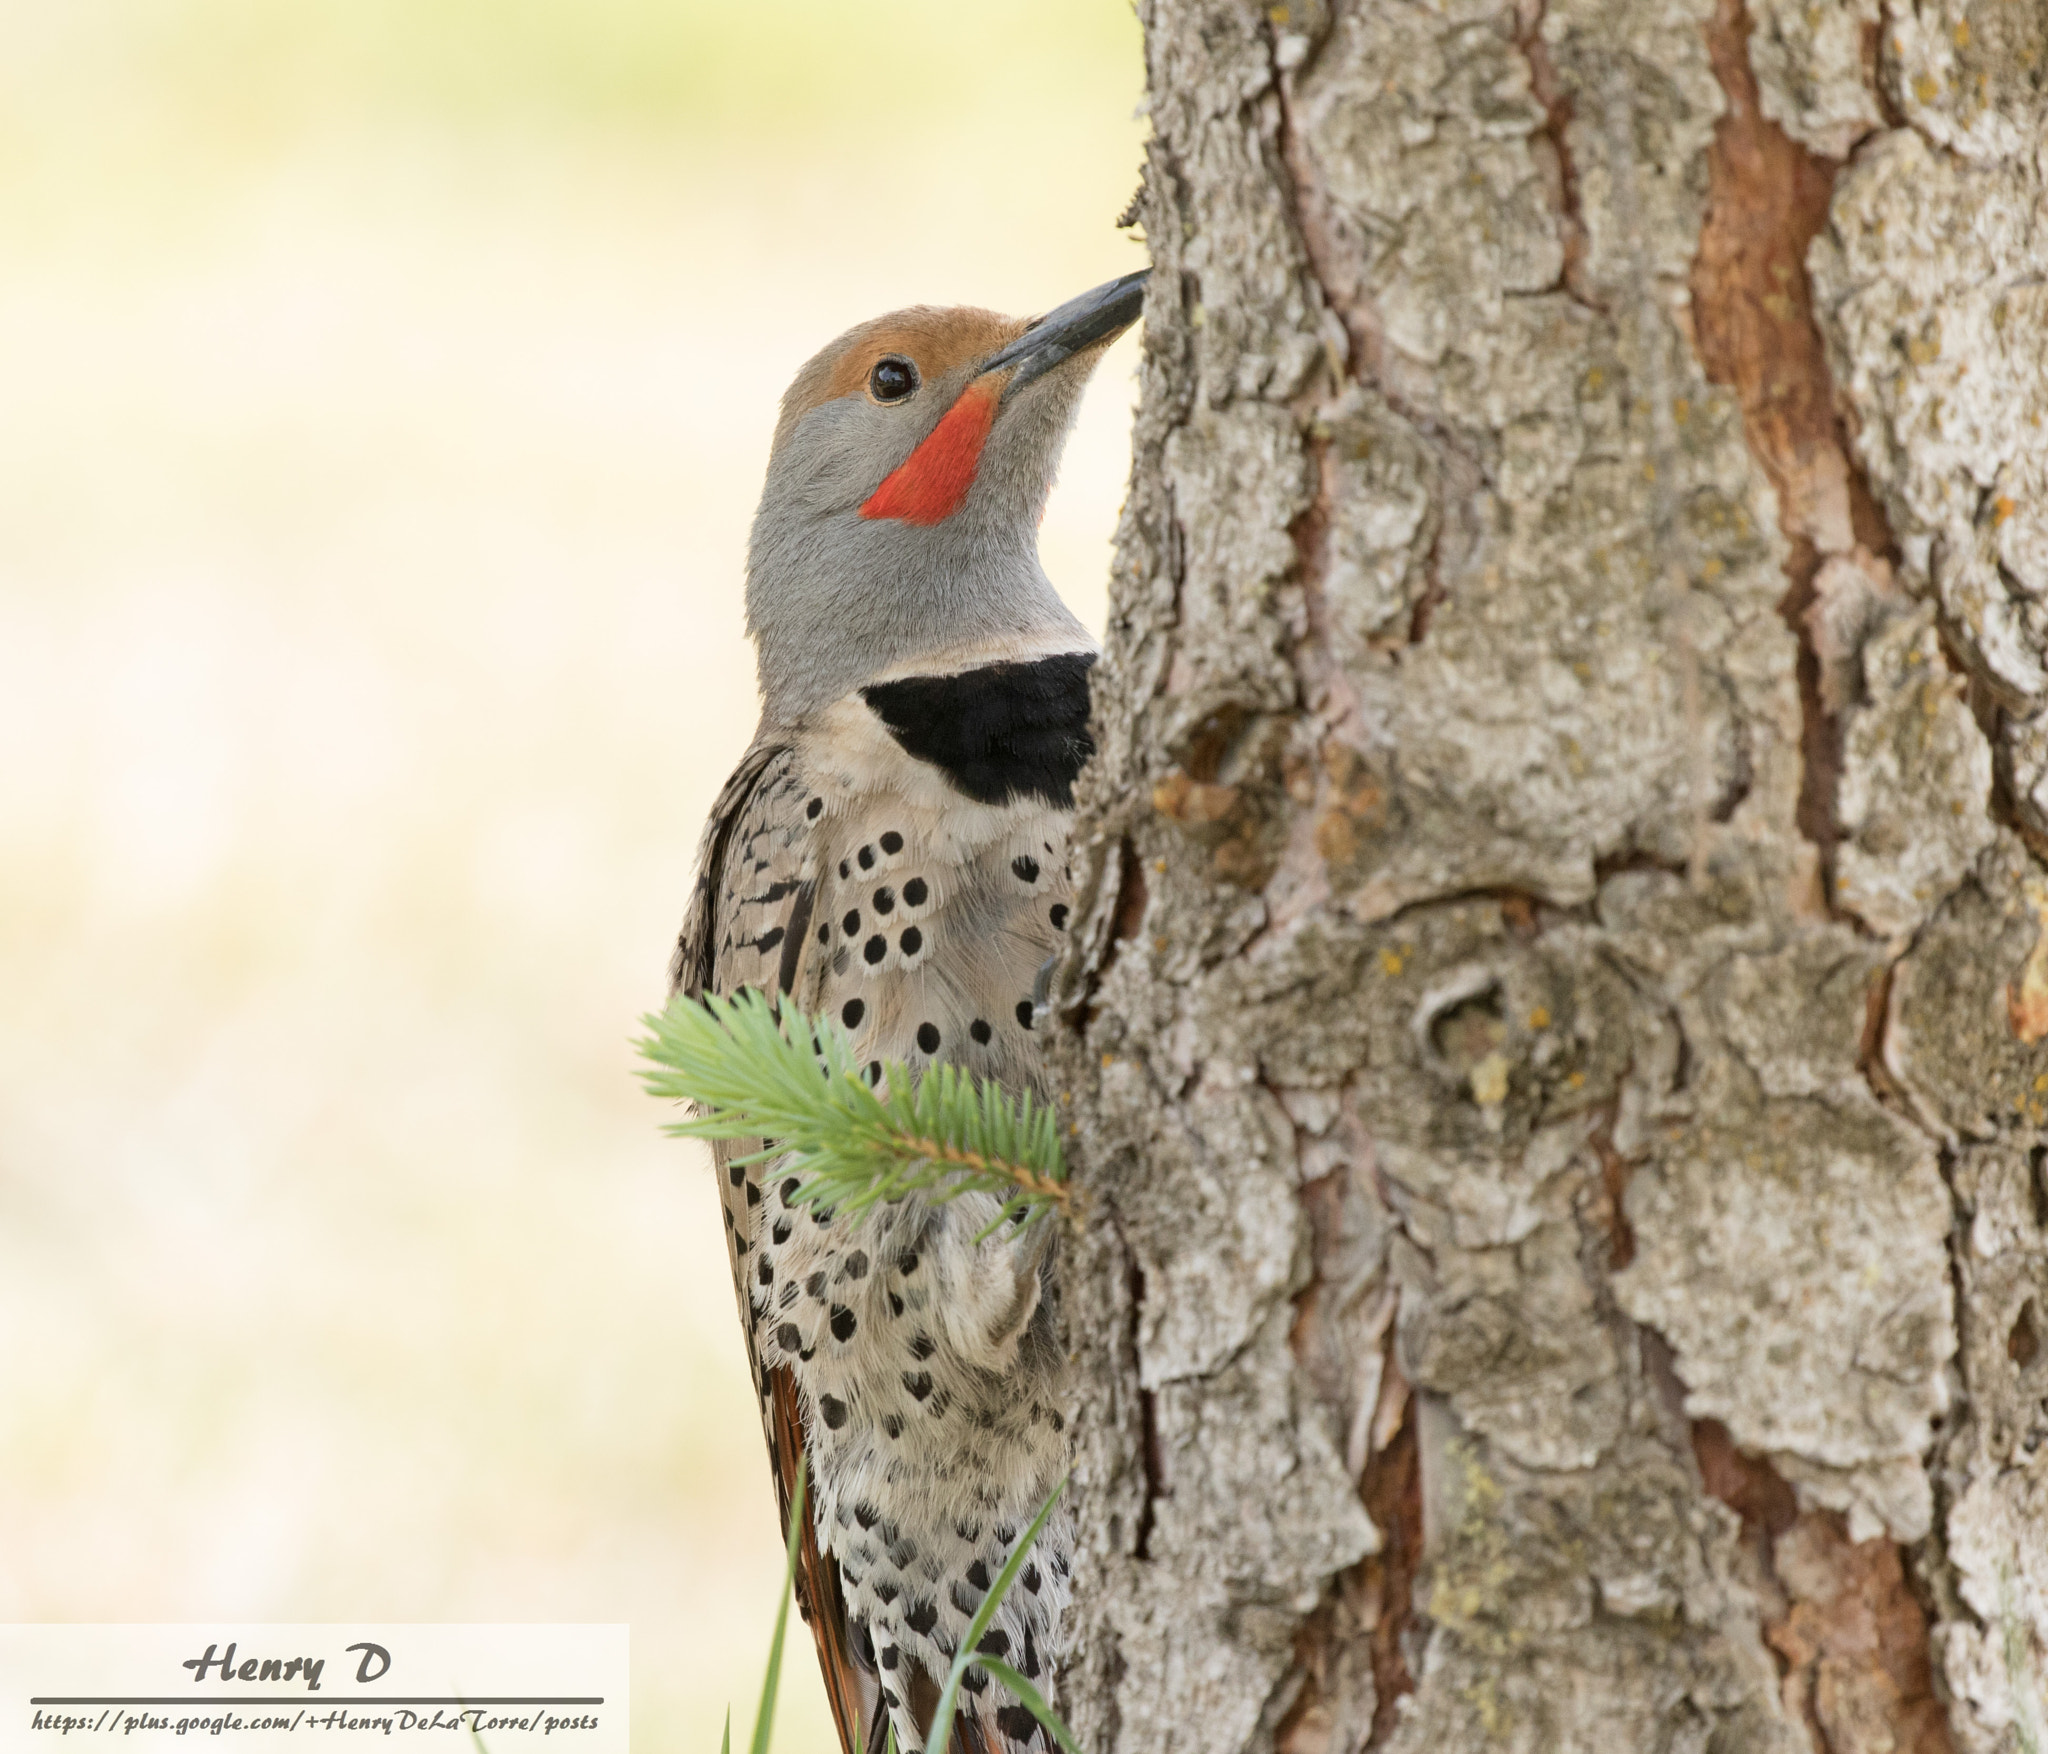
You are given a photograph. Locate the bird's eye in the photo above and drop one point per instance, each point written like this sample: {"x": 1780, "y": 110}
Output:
{"x": 892, "y": 379}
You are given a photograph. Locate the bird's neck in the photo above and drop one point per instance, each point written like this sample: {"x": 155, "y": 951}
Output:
{"x": 826, "y": 622}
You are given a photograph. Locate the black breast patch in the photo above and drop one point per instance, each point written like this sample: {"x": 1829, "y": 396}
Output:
{"x": 998, "y": 732}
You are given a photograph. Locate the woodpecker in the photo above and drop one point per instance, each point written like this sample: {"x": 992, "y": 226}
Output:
{"x": 891, "y": 852}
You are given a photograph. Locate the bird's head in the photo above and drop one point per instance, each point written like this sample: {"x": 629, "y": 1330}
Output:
{"x": 899, "y": 521}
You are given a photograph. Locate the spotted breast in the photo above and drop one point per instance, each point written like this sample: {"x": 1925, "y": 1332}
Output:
{"x": 899, "y": 864}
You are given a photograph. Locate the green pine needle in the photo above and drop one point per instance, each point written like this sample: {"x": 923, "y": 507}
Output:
{"x": 1033, "y": 1701}
{"x": 753, "y": 1070}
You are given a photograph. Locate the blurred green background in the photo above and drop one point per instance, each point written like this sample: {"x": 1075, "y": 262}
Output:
{"x": 384, "y": 391}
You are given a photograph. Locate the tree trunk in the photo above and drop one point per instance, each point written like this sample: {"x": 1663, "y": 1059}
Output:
{"x": 1558, "y": 1034}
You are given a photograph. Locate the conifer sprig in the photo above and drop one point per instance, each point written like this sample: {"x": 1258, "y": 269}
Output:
{"x": 752, "y": 1069}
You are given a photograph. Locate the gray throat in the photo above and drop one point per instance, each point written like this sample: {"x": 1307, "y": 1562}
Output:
{"x": 831, "y": 606}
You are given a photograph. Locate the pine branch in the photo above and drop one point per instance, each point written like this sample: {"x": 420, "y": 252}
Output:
{"x": 753, "y": 1071}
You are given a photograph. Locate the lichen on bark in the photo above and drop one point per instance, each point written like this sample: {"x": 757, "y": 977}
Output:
{"x": 1551, "y": 991}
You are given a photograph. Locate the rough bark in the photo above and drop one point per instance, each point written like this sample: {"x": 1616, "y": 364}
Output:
{"x": 1557, "y": 1030}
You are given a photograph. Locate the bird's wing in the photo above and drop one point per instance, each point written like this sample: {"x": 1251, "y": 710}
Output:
{"x": 723, "y": 930}
{"x": 734, "y": 843}
{"x": 747, "y": 920}
{"x": 851, "y": 1689}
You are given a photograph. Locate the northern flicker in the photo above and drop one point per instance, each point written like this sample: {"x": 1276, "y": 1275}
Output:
{"x": 891, "y": 853}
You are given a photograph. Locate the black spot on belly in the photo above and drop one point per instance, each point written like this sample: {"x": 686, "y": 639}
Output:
{"x": 922, "y": 1348}
{"x": 814, "y": 809}
{"x": 906, "y": 1262}
{"x": 919, "y": 1385}
{"x": 892, "y": 842}
{"x": 1024, "y": 868}
{"x": 852, "y": 1012}
{"x": 914, "y": 892}
{"x": 866, "y": 858}
{"x": 997, "y": 732}
{"x": 921, "y": 1617}
{"x": 1059, "y": 916}
{"x": 851, "y": 924}
{"x": 832, "y": 1412}
{"x": 788, "y": 1338}
{"x": 877, "y": 947}
{"x": 912, "y": 940}
{"x": 1024, "y": 1012}
{"x": 842, "y": 1323}
{"x": 885, "y": 900}
{"x": 927, "y": 1040}
{"x": 980, "y": 1030}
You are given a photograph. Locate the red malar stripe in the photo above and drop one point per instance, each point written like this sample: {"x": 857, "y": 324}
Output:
{"x": 929, "y": 484}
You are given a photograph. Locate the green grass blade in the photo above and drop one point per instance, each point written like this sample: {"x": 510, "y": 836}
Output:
{"x": 1033, "y": 1700}
{"x": 764, "y": 1722}
{"x": 949, "y": 1697}
{"x": 725, "y": 1741}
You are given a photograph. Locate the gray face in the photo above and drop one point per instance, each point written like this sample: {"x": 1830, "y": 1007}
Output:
{"x": 848, "y": 578}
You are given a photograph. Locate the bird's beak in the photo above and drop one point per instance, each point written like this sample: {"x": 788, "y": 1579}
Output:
{"x": 1079, "y": 324}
